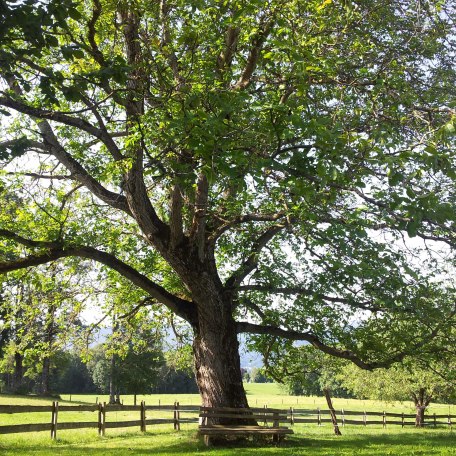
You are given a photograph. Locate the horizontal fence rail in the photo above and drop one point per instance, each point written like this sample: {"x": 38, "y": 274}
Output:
{"x": 365, "y": 418}
{"x": 177, "y": 414}
{"x": 172, "y": 415}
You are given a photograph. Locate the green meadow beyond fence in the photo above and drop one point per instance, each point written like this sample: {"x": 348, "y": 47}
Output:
{"x": 176, "y": 414}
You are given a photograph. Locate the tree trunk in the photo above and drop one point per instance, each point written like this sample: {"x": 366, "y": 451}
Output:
{"x": 419, "y": 418}
{"x": 112, "y": 392}
{"x": 421, "y": 400}
{"x": 217, "y": 362}
{"x": 332, "y": 411}
{"x": 18, "y": 375}
{"x": 216, "y": 353}
{"x": 45, "y": 374}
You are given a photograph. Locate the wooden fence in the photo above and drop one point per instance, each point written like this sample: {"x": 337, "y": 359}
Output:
{"x": 177, "y": 414}
{"x": 101, "y": 422}
{"x": 366, "y": 418}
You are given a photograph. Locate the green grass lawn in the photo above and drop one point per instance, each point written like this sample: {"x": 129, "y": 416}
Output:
{"x": 308, "y": 440}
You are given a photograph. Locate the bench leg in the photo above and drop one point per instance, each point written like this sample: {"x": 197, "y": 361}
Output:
{"x": 207, "y": 440}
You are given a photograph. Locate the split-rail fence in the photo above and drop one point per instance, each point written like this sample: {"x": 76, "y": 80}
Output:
{"x": 177, "y": 414}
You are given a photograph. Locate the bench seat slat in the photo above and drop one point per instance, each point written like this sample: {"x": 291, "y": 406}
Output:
{"x": 244, "y": 417}
{"x": 241, "y": 410}
{"x": 244, "y": 430}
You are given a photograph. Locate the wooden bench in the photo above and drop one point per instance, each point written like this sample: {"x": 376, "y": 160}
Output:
{"x": 216, "y": 422}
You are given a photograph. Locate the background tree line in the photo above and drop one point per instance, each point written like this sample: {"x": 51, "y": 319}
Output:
{"x": 144, "y": 373}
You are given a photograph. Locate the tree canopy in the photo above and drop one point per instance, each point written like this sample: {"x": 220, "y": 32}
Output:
{"x": 249, "y": 166}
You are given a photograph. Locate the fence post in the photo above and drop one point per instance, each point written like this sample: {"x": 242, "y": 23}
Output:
{"x": 364, "y": 418}
{"x": 176, "y": 416}
{"x": 402, "y": 419}
{"x": 54, "y": 417}
{"x": 435, "y": 422}
{"x": 342, "y": 412}
{"x": 143, "y": 416}
{"x": 384, "y": 419}
{"x": 291, "y": 416}
{"x": 318, "y": 416}
{"x": 100, "y": 411}
{"x": 103, "y": 419}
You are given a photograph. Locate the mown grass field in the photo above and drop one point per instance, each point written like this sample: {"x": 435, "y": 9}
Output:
{"x": 162, "y": 440}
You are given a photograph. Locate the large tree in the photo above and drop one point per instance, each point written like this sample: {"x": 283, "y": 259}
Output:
{"x": 251, "y": 166}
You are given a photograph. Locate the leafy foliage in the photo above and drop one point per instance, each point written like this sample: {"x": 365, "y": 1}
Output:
{"x": 283, "y": 169}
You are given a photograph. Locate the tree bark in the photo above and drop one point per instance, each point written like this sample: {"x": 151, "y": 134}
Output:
{"x": 421, "y": 400}
{"x": 419, "y": 418}
{"x": 18, "y": 375}
{"x": 217, "y": 361}
{"x": 112, "y": 393}
{"x": 215, "y": 344}
{"x": 45, "y": 376}
{"x": 332, "y": 411}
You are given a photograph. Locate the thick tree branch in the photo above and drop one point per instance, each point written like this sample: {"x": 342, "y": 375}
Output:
{"x": 302, "y": 291}
{"x": 245, "y": 327}
{"x": 135, "y": 188}
{"x": 175, "y": 218}
{"x": 256, "y": 47}
{"x": 226, "y": 56}
{"x": 52, "y": 145}
{"x": 78, "y": 172}
{"x": 198, "y": 229}
{"x": 96, "y": 12}
{"x": 55, "y": 251}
